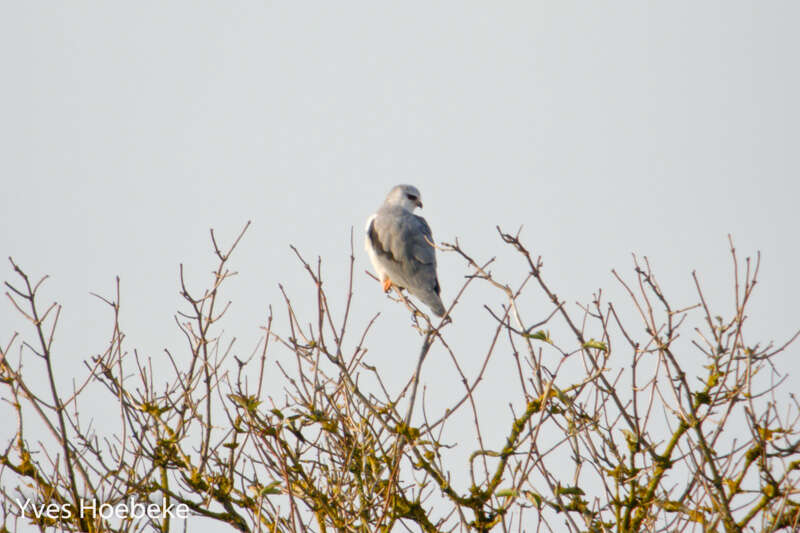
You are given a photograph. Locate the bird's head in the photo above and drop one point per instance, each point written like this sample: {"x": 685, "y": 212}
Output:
{"x": 406, "y": 196}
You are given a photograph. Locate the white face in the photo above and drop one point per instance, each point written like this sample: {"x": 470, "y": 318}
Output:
{"x": 406, "y": 196}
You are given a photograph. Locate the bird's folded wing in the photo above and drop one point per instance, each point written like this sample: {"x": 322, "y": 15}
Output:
{"x": 403, "y": 238}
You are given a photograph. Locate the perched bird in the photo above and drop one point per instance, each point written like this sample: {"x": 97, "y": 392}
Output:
{"x": 400, "y": 246}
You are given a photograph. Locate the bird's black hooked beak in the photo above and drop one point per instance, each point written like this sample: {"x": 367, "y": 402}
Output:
{"x": 419, "y": 203}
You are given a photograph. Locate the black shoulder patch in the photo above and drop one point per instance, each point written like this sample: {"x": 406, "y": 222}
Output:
{"x": 376, "y": 242}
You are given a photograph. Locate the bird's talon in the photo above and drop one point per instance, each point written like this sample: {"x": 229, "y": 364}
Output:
{"x": 387, "y": 285}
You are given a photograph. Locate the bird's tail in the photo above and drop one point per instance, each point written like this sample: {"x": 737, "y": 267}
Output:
{"x": 432, "y": 300}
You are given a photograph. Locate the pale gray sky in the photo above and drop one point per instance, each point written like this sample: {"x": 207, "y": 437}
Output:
{"x": 129, "y": 129}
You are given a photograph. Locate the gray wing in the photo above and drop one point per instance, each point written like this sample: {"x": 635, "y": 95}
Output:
{"x": 403, "y": 243}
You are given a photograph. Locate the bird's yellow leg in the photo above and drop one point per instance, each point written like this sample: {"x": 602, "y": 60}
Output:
{"x": 387, "y": 284}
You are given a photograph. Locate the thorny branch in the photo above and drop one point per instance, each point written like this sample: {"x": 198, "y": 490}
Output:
{"x": 610, "y": 427}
